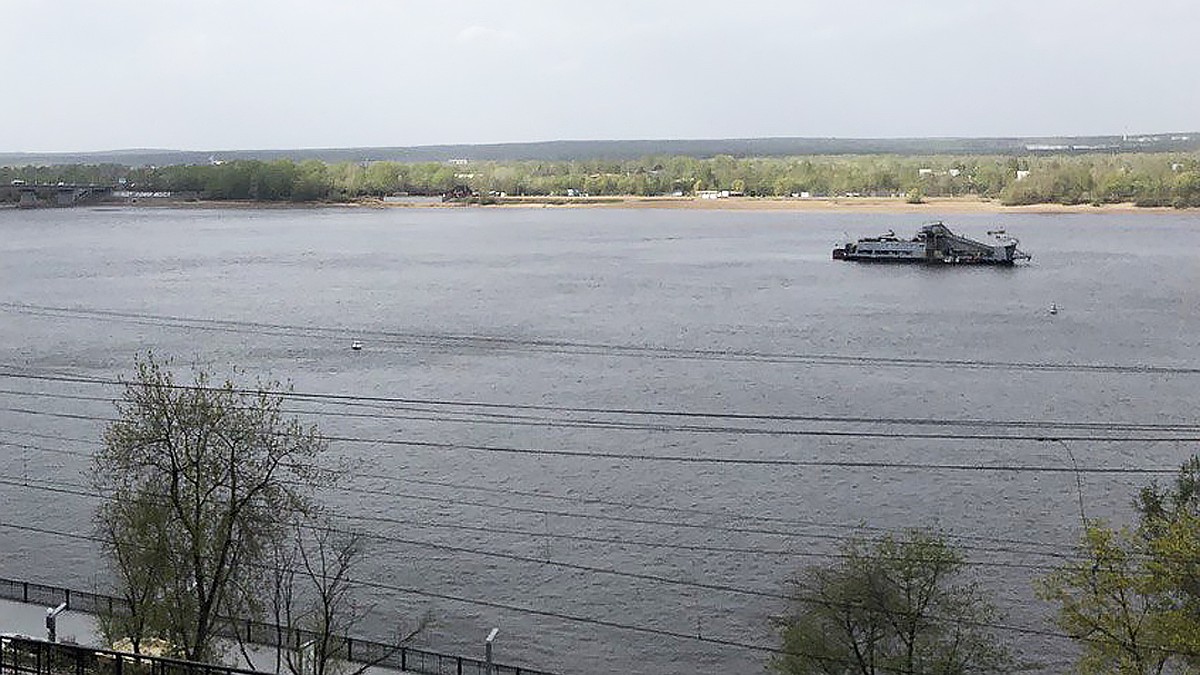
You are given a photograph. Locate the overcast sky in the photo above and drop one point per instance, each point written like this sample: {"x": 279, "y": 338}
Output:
{"x": 253, "y": 74}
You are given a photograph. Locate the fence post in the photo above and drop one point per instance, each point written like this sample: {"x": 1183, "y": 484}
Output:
{"x": 349, "y": 648}
{"x": 403, "y": 658}
{"x": 460, "y": 665}
{"x": 25, "y": 591}
{"x": 67, "y": 592}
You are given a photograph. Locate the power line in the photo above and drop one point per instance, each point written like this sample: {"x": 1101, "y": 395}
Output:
{"x": 349, "y": 399}
{"x": 646, "y": 577}
{"x": 457, "y": 598}
{"x": 562, "y": 616}
{"x": 54, "y": 487}
{"x": 875, "y": 464}
{"x": 621, "y": 519}
{"x": 747, "y": 461}
{"x": 63, "y": 487}
{"x": 594, "y": 569}
{"x": 579, "y": 567}
{"x": 626, "y": 519}
{"x": 672, "y": 546}
{"x": 434, "y": 412}
{"x": 732, "y": 515}
{"x": 461, "y": 341}
{"x": 599, "y": 502}
{"x": 658, "y": 523}
{"x": 39, "y": 448}
{"x": 619, "y": 625}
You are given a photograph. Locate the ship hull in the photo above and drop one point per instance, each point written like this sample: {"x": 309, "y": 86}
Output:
{"x": 840, "y": 254}
{"x": 875, "y": 261}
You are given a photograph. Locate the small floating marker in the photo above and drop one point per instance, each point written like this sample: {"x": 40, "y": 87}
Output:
{"x": 1053, "y": 308}
{"x": 356, "y": 345}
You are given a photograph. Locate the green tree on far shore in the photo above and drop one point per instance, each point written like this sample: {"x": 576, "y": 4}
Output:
{"x": 1146, "y": 179}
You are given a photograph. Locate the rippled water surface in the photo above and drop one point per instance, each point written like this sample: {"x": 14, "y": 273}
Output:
{"x": 615, "y": 309}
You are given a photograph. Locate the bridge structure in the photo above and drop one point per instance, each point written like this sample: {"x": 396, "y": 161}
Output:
{"x": 33, "y": 195}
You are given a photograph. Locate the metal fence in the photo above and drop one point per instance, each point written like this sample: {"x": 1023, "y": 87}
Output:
{"x": 385, "y": 655}
{"x": 26, "y": 656}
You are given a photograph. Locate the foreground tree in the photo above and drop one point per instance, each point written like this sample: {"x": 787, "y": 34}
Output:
{"x": 1133, "y": 599}
{"x": 313, "y": 607}
{"x": 202, "y": 482}
{"x": 897, "y": 605}
{"x": 1107, "y": 602}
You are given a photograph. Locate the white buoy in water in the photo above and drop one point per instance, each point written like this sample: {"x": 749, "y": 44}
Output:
{"x": 1053, "y": 308}
{"x": 356, "y": 345}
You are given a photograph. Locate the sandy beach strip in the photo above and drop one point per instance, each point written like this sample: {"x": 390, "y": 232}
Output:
{"x": 934, "y": 206}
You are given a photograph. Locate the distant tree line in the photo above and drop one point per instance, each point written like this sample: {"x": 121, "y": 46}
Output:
{"x": 1149, "y": 179}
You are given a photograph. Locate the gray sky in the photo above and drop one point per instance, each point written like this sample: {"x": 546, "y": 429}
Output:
{"x": 250, "y": 74}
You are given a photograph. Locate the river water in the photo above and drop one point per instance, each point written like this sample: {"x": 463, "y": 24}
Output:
{"x": 732, "y": 312}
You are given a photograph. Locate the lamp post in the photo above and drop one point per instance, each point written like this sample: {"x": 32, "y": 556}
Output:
{"x": 488, "y": 650}
{"x": 52, "y": 621}
{"x": 307, "y": 655}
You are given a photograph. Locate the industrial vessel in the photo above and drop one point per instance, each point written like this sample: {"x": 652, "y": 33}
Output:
{"x": 934, "y": 243}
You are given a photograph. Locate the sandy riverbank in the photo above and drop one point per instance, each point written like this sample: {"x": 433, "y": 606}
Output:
{"x": 847, "y": 204}
{"x": 932, "y": 206}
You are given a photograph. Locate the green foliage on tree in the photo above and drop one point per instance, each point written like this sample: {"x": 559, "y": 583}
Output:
{"x": 202, "y": 482}
{"x": 1107, "y": 603}
{"x": 1186, "y": 190}
{"x": 1133, "y": 600}
{"x": 896, "y": 605}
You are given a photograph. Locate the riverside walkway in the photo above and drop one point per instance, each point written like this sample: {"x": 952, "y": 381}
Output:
{"x": 23, "y": 608}
{"x": 30, "y": 619}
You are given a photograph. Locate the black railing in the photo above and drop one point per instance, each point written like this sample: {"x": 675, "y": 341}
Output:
{"x": 20, "y": 655}
{"x": 400, "y": 657}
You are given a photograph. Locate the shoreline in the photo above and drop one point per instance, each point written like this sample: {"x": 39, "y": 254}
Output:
{"x": 843, "y": 204}
{"x": 932, "y": 206}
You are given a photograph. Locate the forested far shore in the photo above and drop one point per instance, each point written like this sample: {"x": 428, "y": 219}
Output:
{"x": 1145, "y": 179}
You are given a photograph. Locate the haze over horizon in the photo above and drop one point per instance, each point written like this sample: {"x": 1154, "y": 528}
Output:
{"x": 394, "y": 73}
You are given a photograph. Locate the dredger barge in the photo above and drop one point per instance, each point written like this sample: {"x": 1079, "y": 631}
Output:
{"x": 935, "y": 243}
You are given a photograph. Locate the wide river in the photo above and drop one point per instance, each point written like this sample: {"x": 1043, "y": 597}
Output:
{"x": 618, "y": 558}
